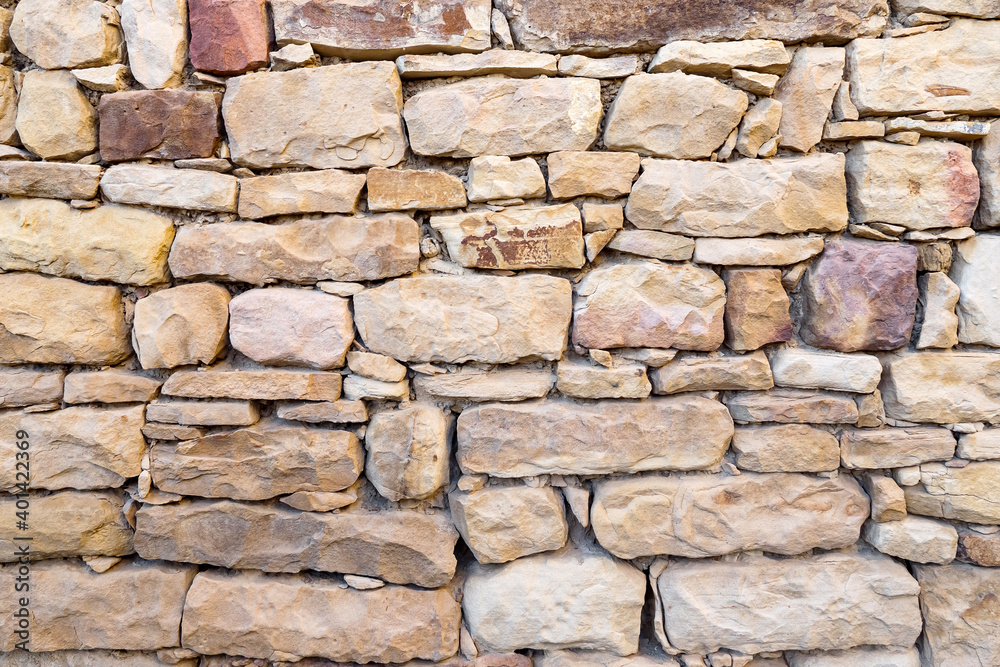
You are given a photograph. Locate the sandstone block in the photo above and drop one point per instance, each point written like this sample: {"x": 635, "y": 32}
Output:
{"x": 976, "y": 275}
{"x": 268, "y": 384}
{"x": 410, "y": 189}
{"x": 332, "y": 412}
{"x": 20, "y": 387}
{"x": 58, "y": 34}
{"x": 500, "y": 524}
{"x": 584, "y": 380}
{"x": 8, "y": 107}
{"x": 814, "y": 369}
{"x": 943, "y": 387}
{"x": 604, "y": 174}
{"x": 976, "y": 8}
{"x": 495, "y": 177}
{"x": 888, "y": 499}
{"x": 508, "y": 384}
{"x": 960, "y": 604}
{"x": 107, "y": 79}
{"x": 986, "y": 158}
{"x": 520, "y": 64}
{"x": 792, "y": 406}
{"x": 602, "y": 217}
{"x": 90, "y": 658}
{"x": 357, "y": 387}
{"x": 156, "y": 35}
{"x": 150, "y": 185}
{"x": 968, "y": 494}
{"x": 757, "y": 252}
{"x": 617, "y": 67}
{"x": 758, "y": 126}
{"x": 325, "y": 191}
{"x": 55, "y": 121}
{"x": 319, "y": 501}
{"x": 979, "y": 446}
{"x": 110, "y": 386}
{"x": 914, "y": 539}
{"x": 806, "y": 94}
{"x": 656, "y": 245}
{"x": 203, "y": 413}
{"x": 720, "y": 58}
{"x": 786, "y": 448}
{"x": 162, "y": 124}
{"x": 863, "y": 655}
{"x": 698, "y": 373}
{"x": 376, "y": 366}
{"x": 228, "y": 36}
{"x": 49, "y": 179}
{"x": 181, "y": 325}
{"x": 938, "y": 298}
{"x": 408, "y": 451}
{"x": 756, "y": 309}
{"x": 978, "y": 548}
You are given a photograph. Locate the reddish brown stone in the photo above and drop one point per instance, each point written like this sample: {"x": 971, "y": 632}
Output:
{"x": 860, "y": 296}
{"x": 978, "y": 548}
{"x": 756, "y": 309}
{"x": 166, "y": 124}
{"x": 228, "y": 36}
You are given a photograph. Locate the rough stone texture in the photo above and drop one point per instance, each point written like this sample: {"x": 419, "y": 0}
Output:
{"x": 20, "y": 387}
{"x": 49, "y": 179}
{"x": 792, "y": 406}
{"x": 719, "y": 59}
{"x": 110, "y": 386}
{"x": 541, "y": 437}
{"x": 584, "y": 380}
{"x": 758, "y": 126}
{"x": 409, "y": 189}
{"x": 895, "y": 447}
{"x": 698, "y": 373}
{"x": 55, "y": 121}
{"x": 500, "y": 524}
{"x": 656, "y": 245}
{"x": 888, "y": 499}
{"x": 162, "y": 124}
{"x": 944, "y": 388}
{"x": 757, "y": 252}
{"x": 264, "y": 384}
{"x": 8, "y": 107}
{"x": 938, "y": 297}
{"x": 605, "y": 174}
{"x": 90, "y": 658}
{"x": 979, "y": 549}
{"x": 976, "y": 8}
{"x": 156, "y": 35}
{"x": 408, "y": 451}
{"x": 498, "y": 177}
{"x": 325, "y": 191}
{"x": 495, "y": 61}
{"x": 986, "y": 158}
{"x": 598, "y": 68}
{"x": 914, "y": 538}
{"x": 203, "y": 413}
{"x": 513, "y": 384}
{"x": 863, "y": 655}
{"x": 470, "y": 318}
{"x": 813, "y": 369}
{"x": 500, "y": 116}
{"x": 743, "y": 198}
{"x": 806, "y": 94}
{"x": 181, "y": 325}
{"x": 150, "y": 185}
{"x": 979, "y": 446}
{"x": 228, "y": 36}
{"x": 961, "y": 605}
{"x": 333, "y": 412}
{"x": 756, "y": 309}
{"x": 59, "y": 34}
{"x": 965, "y": 494}
{"x": 976, "y": 275}
{"x": 376, "y": 366}
{"x": 786, "y": 448}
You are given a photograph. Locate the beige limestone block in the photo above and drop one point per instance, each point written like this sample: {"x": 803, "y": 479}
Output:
{"x": 324, "y": 191}
{"x": 269, "y": 459}
{"x": 713, "y": 373}
{"x": 401, "y": 547}
{"x": 107, "y": 79}
{"x": 376, "y": 366}
{"x": 268, "y": 384}
{"x": 411, "y": 189}
{"x": 560, "y": 437}
{"x": 720, "y": 58}
{"x": 291, "y": 327}
{"x": 649, "y": 304}
{"x": 818, "y": 369}
{"x": 8, "y": 107}
{"x": 469, "y": 318}
{"x": 258, "y": 615}
{"x": 968, "y": 494}
{"x": 755, "y": 82}
{"x": 520, "y": 64}
{"x": 156, "y": 35}
{"x": 171, "y": 432}
{"x": 938, "y": 297}
{"x": 914, "y": 539}
{"x": 758, "y": 251}
{"x": 134, "y": 606}
{"x": 976, "y": 275}
{"x": 320, "y": 501}
{"x": 116, "y": 243}
{"x": 408, "y": 451}
{"x": 203, "y": 413}
{"x": 597, "y": 241}
{"x": 806, "y": 93}
{"x": 986, "y": 158}
{"x": 22, "y": 386}
{"x": 110, "y": 386}
{"x": 742, "y": 198}
{"x": 979, "y": 446}
{"x": 584, "y": 380}
{"x": 781, "y": 513}
{"x": 49, "y": 179}
{"x": 501, "y": 116}
{"x": 564, "y": 600}
{"x": 888, "y": 499}
{"x": 505, "y": 384}
{"x": 673, "y": 115}
{"x": 58, "y": 34}
{"x": 975, "y": 8}
{"x": 758, "y": 126}
{"x": 497, "y": 177}
{"x": 301, "y": 130}
{"x": 792, "y": 406}
{"x": 500, "y": 524}
{"x": 599, "y": 174}
{"x": 602, "y": 217}
{"x": 855, "y": 129}
{"x": 979, "y": 548}
{"x": 786, "y": 448}
{"x": 942, "y": 387}
{"x": 520, "y": 237}
{"x": 357, "y": 387}
{"x": 57, "y": 321}
{"x": 578, "y": 658}
{"x": 895, "y": 447}
{"x": 756, "y": 308}
{"x": 332, "y": 412}
{"x": 306, "y": 251}
{"x": 181, "y": 325}
{"x": 151, "y": 185}
{"x": 873, "y": 656}
{"x": 91, "y": 658}
{"x": 616, "y": 67}
{"x": 657, "y": 245}
{"x": 961, "y": 605}
{"x": 55, "y": 121}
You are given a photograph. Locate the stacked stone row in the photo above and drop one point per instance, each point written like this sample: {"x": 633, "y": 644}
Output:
{"x": 501, "y": 334}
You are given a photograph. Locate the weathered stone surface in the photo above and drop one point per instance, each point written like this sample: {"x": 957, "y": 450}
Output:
{"x": 979, "y": 446}
{"x": 975, "y": 8}
{"x": 719, "y": 59}
{"x": 57, "y": 321}
{"x": 830, "y": 601}
{"x": 469, "y": 318}
{"x": 357, "y": 387}
{"x": 49, "y": 179}
{"x": 648, "y": 304}
{"x": 116, "y": 243}
{"x": 521, "y": 64}
{"x": 961, "y": 608}
{"x": 301, "y": 131}
{"x": 742, "y": 198}
{"x": 55, "y": 121}
{"x": 584, "y": 380}
{"x": 500, "y": 116}
{"x": 498, "y": 177}
{"x": 284, "y": 326}
{"x": 598, "y": 68}
{"x": 203, "y": 413}
{"x": 976, "y": 274}
{"x": 514, "y": 238}
{"x": 943, "y": 387}
{"x": 895, "y": 447}
{"x": 324, "y": 191}
{"x": 888, "y": 499}
{"x": 863, "y": 655}
{"x": 409, "y": 189}
{"x": 134, "y": 606}
{"x": 978, "y": 548}
{"x": 381, "y": 29}
{"x": 332, "y": 412}
{"x": 376, "y": 366}
{"x": 806, "y": 94}
{"x": 578, "y": 658}
{"x": 400, "y": 547}
{"x": 757, "y": 252}
{"x": 914, "y": 539}
{"x": 713, "y": 373}
{"x": 164, "y": 124}
{"x": 171, "y": 432}
{"x": 657, "y": 245}
{"x": 526, "y": 603}
{"x": 320, "y": 501}
{"x": 792, "y": 406}
{"x": 938, "y": 297}
{"x": 814, "y": 369}
{"x": 263, "y": 384}
{"x": 986, "y": 158}
{"x": 228, "y": 36}
{"x": 968, "y": 494}
{"x": 330, "y": 248}
{"x": 107, "y": 79}
{"x": 25, "y": 386}
{"x": 541, "y": 437}
{"x": 110, "y": 386}
{"x": 500, "y": 524}
{"x": 673, "y": 115}
{"x": 714, "y": 515}
{"x": 59, "y": 34}
{"x": 151, "y": 185}
{"x": 513, "y": 384}
{"x": 758, "y": 126}
{"x": 604, "y": 174}
{"x": 8, "y": 107}
{"x": 181, "y": 325}
{"x": 408, "y": 451}
{"x": 156, "y": 35}
{"x": 786, "y": 448}
{"x": 600, "y": 217}
{"x": 89, "y": 658}
{"x": 945, "y": 70}
{"x": 756, "y": 309}
{"x": 860, "y": 296}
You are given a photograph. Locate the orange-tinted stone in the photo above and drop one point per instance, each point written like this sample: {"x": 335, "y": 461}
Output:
{"x": 756, "y": 309}
{"x": 228, "y": 36}
{"x": 165, "y": 124}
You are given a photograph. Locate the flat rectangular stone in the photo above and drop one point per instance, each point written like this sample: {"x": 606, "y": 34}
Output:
{"x": 150, "y": 185}
{"x": 324, "y": 191}
{"x": 895, "y": 447}
{"x": 560, "y": 437}
{"x": 957, "y": 129}
{"x": 699, "y": 373}
{"x": 792, "y": 406}
{"x": 786, "y": 448}
{"x": 172, "y": 432}
{"x": 961, "y": 611}
{"x": 160, "y": 124}
{"x": 57, "y": 180}
{"x": 600, "y": 174}
{"x": 814, "y": 369}
{"x": 582, "y": 379}
{"x": 332, "y": 412}
{"x": 979, "y": 446}
{"x": 110, "y": 386}
{"x": 306, "y": 251}
{"x": 412, "y": 189}
{"x": 400, "y": 547}
{"x": 500, "y": 385}
{"x": 617, "y": 67}
{"x": 520, "y": 64}
{"x": 657, "y": 245}
{"x": 757, "y": 252}
{"x": 969, "y": 494}
{"x": 85, "y": 658}
{"x": 942, "y": 387}
{"x": 20, "y": 387}
{"x": 264, "y": 384}
{"x": 975, "y": 272}
{"x": 203, "y": 413}
{"x": 721, "y": 58}
{"x": 863, "y": 655}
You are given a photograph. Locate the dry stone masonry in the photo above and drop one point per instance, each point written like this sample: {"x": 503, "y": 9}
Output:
{"x": 500, "y": 333}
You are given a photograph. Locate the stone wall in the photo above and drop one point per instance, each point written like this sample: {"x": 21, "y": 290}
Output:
{"x": 574, "y": 333}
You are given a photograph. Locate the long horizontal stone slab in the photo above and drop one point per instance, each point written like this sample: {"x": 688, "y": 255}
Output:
{"x": 560, "y": 437}
{"x": 942, "y": 387}
{"x": 323, "y": 191}
{"x": 968, "y": 494}
{"x": 895, "y": 447}
{"x": 520, "y": 64}
{"x": 49, "y": 179}
{"x": 266, "y": 384}
{"x": 150, "y": 185}
{"x": 23, "y": 386}
{"x": 501, "y": 385}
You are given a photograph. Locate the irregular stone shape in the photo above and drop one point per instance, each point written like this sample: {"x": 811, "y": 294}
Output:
{"x": 301, "y": 130}
{"x": 719, "y": 59}
{"x": 134, "y": 606}
{"x": 410, "y": 189}
{"x": 558, "y": 437}
{"x": 830, "y": 601}
{"x": 333, "y": 412}
{"x": 938, "y": 297}
{"x": 986, "y": 158}
{"x": 500, "y": 524}
{"x": 673, "y": 115}
{"x": 756, "y": 309}
{"x": 284, "y": 326}
{"x": 519, "y": 64}
{"x": 943, "y": 388}
{"x": 58, "y": 34}
{"x": 162, "y": 124}
{"x": 408, "y": 451}
{"x": 813, "y": 369}
{"x": 376, "y": 366}
{"x": 89, "y": 658}
{"x": 469, "y": 318}
{"x": 860, "y": 296}
{"x": 792, "y": 406}
{"x": 150, "y": 185}
{"x": 656, "y": 245}
{"x": 514, "y": 238}
{"x": 357, "y": 387}
{"x": 976, "y": 275}
{"x": 786, "y": 448}
{"x": 888, "y": 500}
{"x": 715, "y": 515}
{"x": 171, "y": 432}
{"x": 400, "y": 547}
{"x": 498, "y": 177}
{"x": 914, "y": 538}
{"x": 564, "y": 600}
{"x": 325, "y": 191}
{"x": 742, "y": 198}
{"x": 584, "y": 380}
{"x": 57, "y": 321}
{"x": 107, "y": 79}
{"x": 228, "y": 36}
{"x": 975, "y": 8}
{"x": 181, "y": 325}
{"x": 306, "y": 251}
{"x": 758, "y": 126}
{"x": 512, "y": 384}
{"x": 806, "y": 94}
{"x": 604, "y": 174}
{"x": 933, "y": 184}
{"x": 648, "y": 304}
{"x": 598, "y": 68}
{"x": 110, "y": 386}
{"x": 944, "y": 70}
{"x": 968, "y": 494}
{"x": 757, "y": 252}
{"x": 382, "y": 29}
{"x": 979, "y": 446}
{"x": 979, "y": 549}
{"x": 961, "y": 605}
{"x": 8, "y": 107}
{"x": 863, "y": 655}
{"x": 264, "y": 384}
{"x": 115, "y": 243}
{"x": 601, "y": 217}
{"x": 55, "y": 121}
{"x": 203, "y": 413}
{"x": 23, "y": 386}
{"x": 156, "y": 35}
{"x": 691, "y": 373}
{"x": 258, "y": 615}
{"x": 49, "y": 179}
{"x": 318, "y": 501}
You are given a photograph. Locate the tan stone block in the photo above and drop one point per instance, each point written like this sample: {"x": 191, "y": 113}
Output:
{"x": 497, "y": 177}
{"x": 55, "y": 121}
{"x": 895, "y": 447}
{"x": 410, "y": 189}
{"x": 156, "y": 35}
{"x": 203, "y": 413}
{"x": 376, "y": 366}
{"x": 58, "y": 34}
{"x": 150, "y": 185}
{"x": 960, "y": 608}
{"x": 223, "y": 381}
{"x": 979, "y": 446}
{"x": 584, "y": 380}
{"x": 49, "y": 179}
{"x": 520, "y": 64}
{"x": 713, "y": 373}
{"x": 792, "y": 406}
{"x": 961, "y": 494}
{"x": 786, "y": 448}
{"x": 756, "y": 308}
{"x": 8, "y": 107}
{"x": 408, "y": 451}
{"x": 181, "y": 325}
{"x": 657, "y": 245}
{"x": 719, "y": 59}
{"x": 21, "y": 386}
{"x": 755, "y": 82}
{"x": 598, "y": 68}
{"x": 66, "y": 524}
{"x": 332, "y": 412}
{"x": 914, "y": 539}
{"x": 813, "y": 369}
{"x": 324, "y": 191}
{"x": 500, "y": 524}
{"x": 975, "y": 274}
{"x": 504, "y": 384}
{"x": 320, "y": 501}
{"x": 758, "y": 126}
{"x": 602, "y": 217}
{"x": 600, "y": 174}
{"x": 942, "y": 387}
{"x": 110, "y": 386}
{"x": 806, "y": 93}
{"x": 888, "y": 500}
